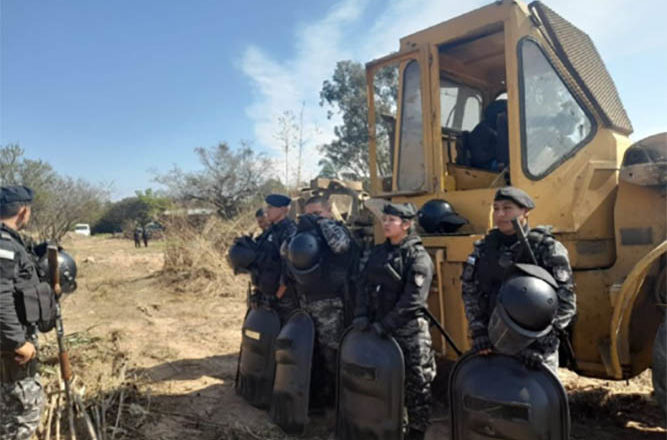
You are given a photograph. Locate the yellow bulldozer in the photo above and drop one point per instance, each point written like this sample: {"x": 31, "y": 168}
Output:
{"x": 555, "y": 127}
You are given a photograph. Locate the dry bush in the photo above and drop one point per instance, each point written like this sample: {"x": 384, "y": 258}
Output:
{"x": 195, "y": 256}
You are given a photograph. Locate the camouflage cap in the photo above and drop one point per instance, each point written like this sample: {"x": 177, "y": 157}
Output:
{"x": 18, "y": 193}
{"x": 406, "y": 211}
{"x": 277, "y": 200}
{"x": 516, "y": 195}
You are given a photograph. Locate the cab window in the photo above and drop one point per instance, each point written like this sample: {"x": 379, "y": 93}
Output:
{"x": 553, "y": 123}
{"x": 411, "y": 167}
{"x": 461, "y": 106}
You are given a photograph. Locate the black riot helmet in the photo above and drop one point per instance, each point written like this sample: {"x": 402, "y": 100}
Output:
{"x": 67, "y": 269}
{"x": 303, "y": 251}
{"x": 529, "y": 301}
{"x": 525, "y": 309}
{"x": 242, "y": 254}
{"x": 438, "y": 216}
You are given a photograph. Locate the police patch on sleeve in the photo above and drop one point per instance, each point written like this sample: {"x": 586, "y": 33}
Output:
{"x": 419, "y": 279}
{"x": 6, "y": 254}
{"x": 561, "y": 273}
{"x": 471, "y": 260}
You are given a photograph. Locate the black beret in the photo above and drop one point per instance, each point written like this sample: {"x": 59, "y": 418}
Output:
{"x": 13, "y": 194}
{"x": 277, "y": 200}
{"x": 516, "y": 195}
{"x": 406, "y": 211}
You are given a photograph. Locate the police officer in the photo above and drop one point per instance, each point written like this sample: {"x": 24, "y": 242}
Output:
{"x": 22, "y": 396}
{"x": 268, "y": 278}
{"x": 262, "y": 221}
{"x": 322, "y": 294}
{"x": 495, "y": 254}
{"x": 137, "y": 237}
{"x": 144, "y": 236}
{"x": 395, "y": 286}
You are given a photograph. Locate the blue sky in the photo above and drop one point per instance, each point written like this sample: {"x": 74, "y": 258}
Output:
{"x": 110, "y": 90}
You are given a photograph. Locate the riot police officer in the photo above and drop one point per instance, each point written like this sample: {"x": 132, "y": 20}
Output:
{"x": 26, "y": 304}
{"x": 321, "y": 261}
{"x": 268, "y": 278}
{"x": 262, "y": 221}
{"x": 492, "y": 259}
{"x": 392, "y": 297}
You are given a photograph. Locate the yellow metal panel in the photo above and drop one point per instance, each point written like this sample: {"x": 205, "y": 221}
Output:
{"x": 593, "y": 315}
{"x": 455, "y": 318}
{"x": 465, "y": 25}
{"x": 620, "y": 322}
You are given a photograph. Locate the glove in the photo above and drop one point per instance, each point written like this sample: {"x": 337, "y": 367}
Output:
{"x": 307, "y": 222}
{"x": 481, "y": 343}
{"x": 379, "y": 329}
{"x": 360, "y": 323}
{"x": 531, "y": 359}
{"x": 253, "y": 301}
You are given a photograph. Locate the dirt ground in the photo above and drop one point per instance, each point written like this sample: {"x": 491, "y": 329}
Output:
{"x": 173, "y": 355}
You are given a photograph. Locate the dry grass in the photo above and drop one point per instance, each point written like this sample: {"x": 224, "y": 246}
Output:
{"x": 195, "y": 253}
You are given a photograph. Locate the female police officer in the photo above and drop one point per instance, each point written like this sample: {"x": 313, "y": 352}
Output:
{"x": 494, "y": 256}
{"x": 395, "y": 285}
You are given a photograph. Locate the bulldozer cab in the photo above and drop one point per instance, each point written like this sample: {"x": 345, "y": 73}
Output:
{"x": 512, "y": 93}
{"x": 485, "y": 100}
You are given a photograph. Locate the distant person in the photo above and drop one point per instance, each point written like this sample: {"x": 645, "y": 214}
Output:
{"x": 137, "y": 237}
{"x": 21, "y": 392}
{"x": 144, "y": 237}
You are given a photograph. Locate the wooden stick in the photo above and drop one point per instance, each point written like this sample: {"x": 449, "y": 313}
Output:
{"x": 59, "y": 411}
{"x": 104, "y": 419}
{"x": 86, "y": 417}
{"x": 120, "y": 410}
{"x": 52, "y": 405}
{"x": 98, "y": 423}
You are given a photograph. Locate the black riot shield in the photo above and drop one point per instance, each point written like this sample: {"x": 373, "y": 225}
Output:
{"x": 256, "y": 362}
{"x": 370, "y": 387}
{"x": 496, "y": 396}
{"x": 291, "y": 386}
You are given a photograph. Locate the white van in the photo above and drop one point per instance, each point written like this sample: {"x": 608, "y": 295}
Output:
{"x": 82, "y": 228}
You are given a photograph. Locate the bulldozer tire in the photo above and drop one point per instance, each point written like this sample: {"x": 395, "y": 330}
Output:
{"x": 660, "y": 367}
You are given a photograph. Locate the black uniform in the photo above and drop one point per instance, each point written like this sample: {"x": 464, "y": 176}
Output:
{"x": 324, "y": 293}
{"x": 487, "y": 266}
{"x": 25, "y": 303}
{"x": 393, "y": 294}
{"x": 269, "y": 269}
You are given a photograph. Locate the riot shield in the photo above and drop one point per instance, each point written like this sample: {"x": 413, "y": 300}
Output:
{"x": 371, "y": 373}
{"x": 291, "y": 386}
{"x": 496, "y": 396}
{"x": 256, "y": 362}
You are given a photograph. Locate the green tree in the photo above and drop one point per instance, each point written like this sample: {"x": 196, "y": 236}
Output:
{"x": 156, "y": 204}
{"x": 346, "y": 94}
{"x": 131, "y": 211}
{"x": 60, "y": 202}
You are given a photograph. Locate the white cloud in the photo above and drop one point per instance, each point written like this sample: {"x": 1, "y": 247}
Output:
{"x": 363, "y": 30}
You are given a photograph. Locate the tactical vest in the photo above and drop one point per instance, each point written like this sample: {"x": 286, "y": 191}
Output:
{"x": 386, "y": 274}
{"x": 34, "y": 299}
{"x": 496, "y": 260}
{"x": 332, "y": 273}
{"x": 267, "y": 276}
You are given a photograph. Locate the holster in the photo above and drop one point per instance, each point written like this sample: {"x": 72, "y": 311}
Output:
{"x": 11, "y": 371}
